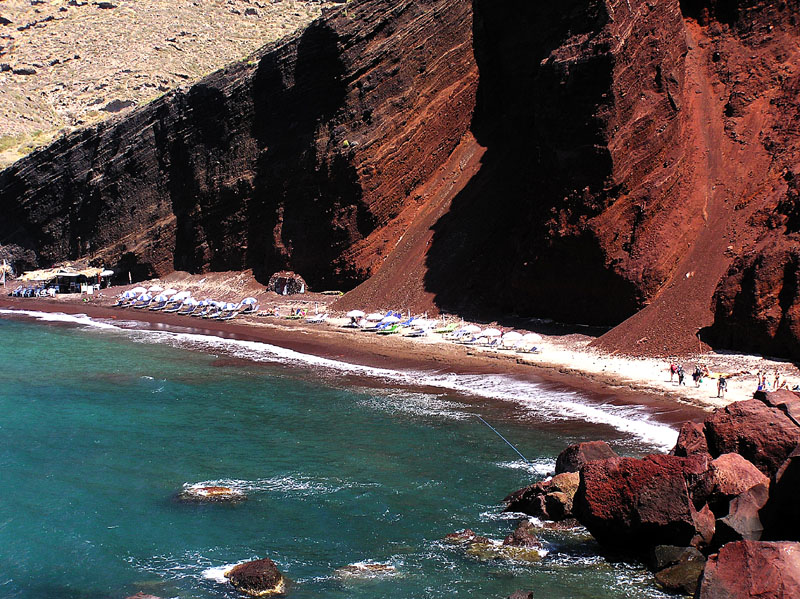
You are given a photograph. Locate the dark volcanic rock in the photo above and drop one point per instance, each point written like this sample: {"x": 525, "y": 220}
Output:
{"x": 551, "y": 499}
{"x": 781, "y": 515}
{"x": 743, "y": 521}
{"x": 290, "y": 160}
{"x": 751, "y": 569}
{"x": 633, "y": 504}
{"x": 763, "y": 435}
{"x": 786, "y": 401}
{"x": 575, "y": 456}
{"x": 678, "y": 569}
{"x": 464, "y": 537}
{"x": 691, "y": 440}
{"x": 207, "y": 494}
{"x": 523, "y": 536}
{"x": 521, "y": 595}
{"x": 257, "y": 578}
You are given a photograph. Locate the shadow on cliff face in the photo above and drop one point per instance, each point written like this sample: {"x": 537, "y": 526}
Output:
{"x": 305, "y": 207}
{"x": 514, "y": 240}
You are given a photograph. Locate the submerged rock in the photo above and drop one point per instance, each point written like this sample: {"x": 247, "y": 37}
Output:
{"x": 365, "y": 570}
{"x": 464, "y": 537}
{"x": 549, "y": 500}
{"x": 211, "y": 494}
{"x": 678, "y": 569}
{"x": 259, "y": 578}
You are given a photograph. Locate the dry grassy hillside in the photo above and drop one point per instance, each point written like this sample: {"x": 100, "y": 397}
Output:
{"x": 67, "y": 63}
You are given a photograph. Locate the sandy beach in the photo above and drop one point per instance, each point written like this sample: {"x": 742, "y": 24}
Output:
{"x": 564, "y": 358}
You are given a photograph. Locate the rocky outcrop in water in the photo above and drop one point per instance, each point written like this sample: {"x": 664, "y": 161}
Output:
{"x": 718, "y": 495}
{"x": 259, "y": 578}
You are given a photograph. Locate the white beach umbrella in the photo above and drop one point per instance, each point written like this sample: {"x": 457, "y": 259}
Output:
{"x": 160, "y": 298}
{"x": 511, "y": 337}
{"x": 390, "y": 320}
{"x": 129, "y": 294}
{"x": 491, "y": 333}
{"x": 355, "y": 314}
{"x": 471, "y": 329}
{"x": 190, "y": 301}
{"x": 139, "y": 290}
{"x": 230, "y": 306}
{"x": 375, "y": 317}
{"x": 181, "y": 295}
{"x": 530, "y": 337}
{"x": 106, "y": 273}
{"x": 249, "y": 300}
{"x": 145, "y": 297}
{"x": 169, "y": 292}
{"x": 155, "y": 288}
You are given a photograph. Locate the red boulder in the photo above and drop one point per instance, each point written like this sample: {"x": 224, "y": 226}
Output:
{"x": 762, "y": 434}
{"x": 781, "y": 516}
{"x": 633, "y": 504}
{"x": 753, "y": 569}
{"x": 691, "y": 440}
{"x": 575, "y": 456}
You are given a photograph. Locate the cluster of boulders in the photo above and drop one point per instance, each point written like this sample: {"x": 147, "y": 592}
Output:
{"x": 718, "y": 517}
{"x": 521, "y": 545}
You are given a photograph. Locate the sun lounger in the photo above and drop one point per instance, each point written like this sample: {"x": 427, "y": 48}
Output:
{"x": 317, "y": 319}
{"x": 447, "y": 329}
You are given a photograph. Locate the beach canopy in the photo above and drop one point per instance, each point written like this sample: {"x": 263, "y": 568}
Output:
{"x": 390, "y": 320}
{"x": 375, "y": 317}
{"x": 355, "y": 314}
{"x": 528, "y": 337}
{"x": 492, "y": 333}
{"x": 512, "y": 337}
{"x": 249, "y": 300}
{"x": 470, "y": 328}
{"x": 139, "y": 290}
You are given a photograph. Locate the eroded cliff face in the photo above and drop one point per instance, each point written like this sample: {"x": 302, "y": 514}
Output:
{"x": 615, "y": 162}
{"x": 287, "y": 160}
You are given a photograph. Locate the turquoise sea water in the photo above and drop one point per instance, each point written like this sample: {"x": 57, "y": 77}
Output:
{"x": 102, "y": 426}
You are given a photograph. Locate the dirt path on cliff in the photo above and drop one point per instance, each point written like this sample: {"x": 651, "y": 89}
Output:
{"x": 670, "y": 323}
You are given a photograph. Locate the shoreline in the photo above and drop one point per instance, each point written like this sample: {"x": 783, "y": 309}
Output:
{"x": 566, "y": 363}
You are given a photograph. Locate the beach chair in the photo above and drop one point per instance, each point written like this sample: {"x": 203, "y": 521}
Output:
{"x": 173, "y": 306}
{"x": 317, "y": 319}
{"x": 248, "y": 305}
{"x": 447, "y": 329}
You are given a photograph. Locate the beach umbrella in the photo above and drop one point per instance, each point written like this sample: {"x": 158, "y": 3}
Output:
{"x": 390, "y": 320}
{"x": 249, "y": 300}
{"x": 528, "y": 337}
{"x": 190, "y": 301}
{"x": 491, "y": 333}
{"x": 155, "y": 288}
{"x": 106, "y": 273}
{"x": 169, "y": 292}
{"x": 139, "y": 290}
{"x": 511, "y": 337}
{"x": 230, "y": 306}
{"x": 145, "y": 297}
{"x": 160, "y": 298}
{"x": 471, "y": 328}
{"x": 129, "y": 294}
{"x": 181, "y": 295}
{"x": 355, "y": 314}
{"x": 375, "y": 317}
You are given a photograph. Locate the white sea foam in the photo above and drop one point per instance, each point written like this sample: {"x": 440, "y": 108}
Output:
{"x": 542, "y": 467}
{"x": 81, "y": 319}
{"x": 539, "y": 400}
{"x": 292, "y": 484}
{"x": 217, "y": 573}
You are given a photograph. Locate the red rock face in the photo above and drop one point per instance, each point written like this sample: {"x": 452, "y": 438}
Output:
{"x": 623, "y": 163}
{"x": 748, "y": 569}
{"x": 631, "y": 505}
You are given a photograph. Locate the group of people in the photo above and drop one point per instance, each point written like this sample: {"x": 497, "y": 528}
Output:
{"x": 764, "y": 384}
{"x": 699, "y": 373}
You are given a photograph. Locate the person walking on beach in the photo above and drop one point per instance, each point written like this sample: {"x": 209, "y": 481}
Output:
{"x": 681, "y": 375}
{"x": 697, "y": 376}
{"x": 673, "y": 370}
{"x": 722, "y": 386}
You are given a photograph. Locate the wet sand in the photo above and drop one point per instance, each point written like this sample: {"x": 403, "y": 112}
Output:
{"x": 364, "y": 348}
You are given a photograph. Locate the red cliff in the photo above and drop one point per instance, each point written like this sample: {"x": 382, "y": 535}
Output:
{"x": 613, "y": 162}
